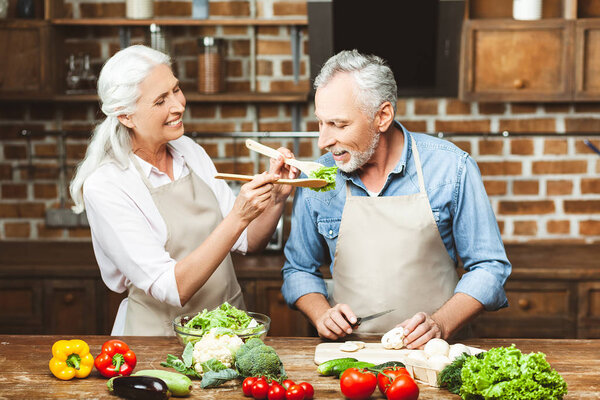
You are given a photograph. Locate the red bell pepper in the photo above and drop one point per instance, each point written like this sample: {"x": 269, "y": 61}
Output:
{"x": 115, "y": 359}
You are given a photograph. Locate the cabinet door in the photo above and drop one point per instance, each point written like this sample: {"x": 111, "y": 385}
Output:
{"x": 70, "y": 307}
{"x": 589, "y": 310}
{"x": 535, "y": 310}
{"x": 284, "y": 321}
{"x": 587, "y": 60}
{"x": 516, "y": 61}
{"x": 24, "y": 64}
{"x": 21, "y": 310}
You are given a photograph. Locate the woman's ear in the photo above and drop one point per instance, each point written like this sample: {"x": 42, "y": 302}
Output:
{"x": 126, "y": 120}
{"x": 384, "y": 117}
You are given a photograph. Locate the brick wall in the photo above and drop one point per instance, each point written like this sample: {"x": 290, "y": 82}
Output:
{"x": 544, "y": 185}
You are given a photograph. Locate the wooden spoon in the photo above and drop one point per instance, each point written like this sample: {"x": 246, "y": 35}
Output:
{"x": 311, "y": 183}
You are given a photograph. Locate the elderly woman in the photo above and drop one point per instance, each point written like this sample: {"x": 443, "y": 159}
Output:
{"x": 162, "y": 226}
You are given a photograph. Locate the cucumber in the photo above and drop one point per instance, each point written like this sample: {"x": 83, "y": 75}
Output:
{"x": 339, "y": 369}
{"x": 326, "y": 368}
{"x": 179, "y": 384}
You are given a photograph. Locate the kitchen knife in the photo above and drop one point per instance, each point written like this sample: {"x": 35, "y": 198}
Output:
{"x": 360, "y": 320}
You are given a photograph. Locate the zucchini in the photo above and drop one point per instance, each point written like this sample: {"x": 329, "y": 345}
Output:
{"x": 178, "y": 384}
{"x": 139, "y": 387}
{"x": 339, "y": 369}
{"x": 326, "y": 368}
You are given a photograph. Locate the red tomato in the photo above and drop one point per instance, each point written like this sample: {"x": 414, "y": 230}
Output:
{"x": 276, "y": 392}
{"x": 383, "y": 382}
{"x": 247, "y": 385}
{"x": 260, "y": 389}
{"x": 287, "y": 383}
{"x": 357, "y": 384}
{"x": 403, "y": 388}
{"x": 294, "y": 392}
{"x": 309, "y": 391}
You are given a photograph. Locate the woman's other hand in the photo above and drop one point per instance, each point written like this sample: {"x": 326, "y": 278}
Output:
{"x": 278, "y": 167}
{"x": 255, "y": 196}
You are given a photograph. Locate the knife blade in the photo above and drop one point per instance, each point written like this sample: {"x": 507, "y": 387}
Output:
{"x": 360, "y": 320}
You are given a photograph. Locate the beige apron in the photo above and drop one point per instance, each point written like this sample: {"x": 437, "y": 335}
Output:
{"x": 389, "y": 254}
{"x": 191, "y": 212}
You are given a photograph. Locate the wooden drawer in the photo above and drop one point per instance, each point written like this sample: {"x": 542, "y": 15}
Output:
{"x": 21, "y": 310}
{"x": 70, "y": 307}
{"x": 536, "y": 309}
{"x": 588, "y": 317}
{"x": 516, "y": 61}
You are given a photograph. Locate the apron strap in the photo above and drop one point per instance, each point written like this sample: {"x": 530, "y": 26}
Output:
{"x": 139, "y": 169}
{"x": 418, "y": 166}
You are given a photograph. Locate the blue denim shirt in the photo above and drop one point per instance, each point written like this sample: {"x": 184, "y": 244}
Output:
{"x": 460, "y": 206}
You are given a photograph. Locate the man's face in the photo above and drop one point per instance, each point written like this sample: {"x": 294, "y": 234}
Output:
{"x": 344, "y": 129}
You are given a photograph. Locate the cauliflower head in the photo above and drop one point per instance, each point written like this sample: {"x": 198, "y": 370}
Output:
{"x": 220, "y": 346}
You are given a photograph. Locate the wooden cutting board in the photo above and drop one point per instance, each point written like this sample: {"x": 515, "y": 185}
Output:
{"x": 372, "y": 352}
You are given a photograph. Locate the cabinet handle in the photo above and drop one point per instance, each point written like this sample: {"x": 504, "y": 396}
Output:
{"x": 523, "y": 304}
{"x": 68, "y": 298}
{"x": 519, "y": 83}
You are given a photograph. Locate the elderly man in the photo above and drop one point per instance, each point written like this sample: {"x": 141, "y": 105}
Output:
{"x": 405, "y": 208}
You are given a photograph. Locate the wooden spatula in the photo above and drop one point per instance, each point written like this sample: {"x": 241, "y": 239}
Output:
{"x": 311, "y": 183}
{"x": 305, "y": 166}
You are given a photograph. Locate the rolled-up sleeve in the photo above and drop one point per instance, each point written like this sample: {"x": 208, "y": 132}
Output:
{"x": 478, "y": 241}
{"x": 305, "y": 251}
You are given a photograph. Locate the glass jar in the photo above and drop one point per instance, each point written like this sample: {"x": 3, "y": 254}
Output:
{"x": 211, "y": 65}
{"x": 139, "y": 9}
{"x": 25, "y": 8}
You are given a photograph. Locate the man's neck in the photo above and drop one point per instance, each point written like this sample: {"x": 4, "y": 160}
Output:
{"x": 387, "y": 155}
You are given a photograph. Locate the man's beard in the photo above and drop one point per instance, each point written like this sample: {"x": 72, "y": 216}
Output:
{"x": 357, "y": 158}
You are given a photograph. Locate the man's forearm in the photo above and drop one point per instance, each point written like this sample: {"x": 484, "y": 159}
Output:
{"x": 313, "y": 305}
{"x": 456, "y": 312}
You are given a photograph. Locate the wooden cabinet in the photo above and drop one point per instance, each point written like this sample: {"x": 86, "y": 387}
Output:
{"x": 510, "y": 60}
{"x": 587, "y": 60}
{"x": 555, "y": 58}
{"x": 25, "y": 65}
{"x": 56, "y": 288}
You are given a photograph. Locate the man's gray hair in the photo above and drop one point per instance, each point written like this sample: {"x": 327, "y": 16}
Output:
{"x": 374, "y": 78}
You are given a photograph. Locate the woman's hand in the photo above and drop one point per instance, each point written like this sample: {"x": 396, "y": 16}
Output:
{"x": 278, "y": 167}
{"x": 254, "y": 196}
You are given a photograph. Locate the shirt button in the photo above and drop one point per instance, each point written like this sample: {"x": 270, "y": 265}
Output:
{"x": 331, "y": 231}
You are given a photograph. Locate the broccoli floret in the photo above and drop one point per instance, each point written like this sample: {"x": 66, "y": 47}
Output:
{"x": 255, "y": 358}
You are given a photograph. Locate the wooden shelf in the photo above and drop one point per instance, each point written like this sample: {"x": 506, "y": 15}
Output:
{"x": 178, "y": 22}
{"x": 288, "y": 97}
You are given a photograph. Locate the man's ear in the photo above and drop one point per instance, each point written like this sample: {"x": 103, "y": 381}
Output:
{"x": 384, "y": 117}
{"x": 126, "y": 120}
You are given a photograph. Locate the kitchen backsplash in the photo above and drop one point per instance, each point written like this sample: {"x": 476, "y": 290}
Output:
{"x": 544, "y": 185}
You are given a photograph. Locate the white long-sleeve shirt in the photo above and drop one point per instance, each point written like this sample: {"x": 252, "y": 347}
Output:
{"x": 128, "y": 232}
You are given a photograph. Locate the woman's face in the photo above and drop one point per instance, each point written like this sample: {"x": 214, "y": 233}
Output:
{"x": 159, "y": 110}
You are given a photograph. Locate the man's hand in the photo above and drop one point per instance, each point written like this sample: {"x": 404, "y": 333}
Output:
{"x": 336, "y": 322}
{"x": 421, "y": 328}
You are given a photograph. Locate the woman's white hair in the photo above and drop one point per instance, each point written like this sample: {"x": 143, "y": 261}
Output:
{"x": 374, "y": 78}
{"x": 118, "y": 89}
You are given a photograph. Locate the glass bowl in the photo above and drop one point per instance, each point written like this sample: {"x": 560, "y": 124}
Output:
{"x": 187, "y": 335}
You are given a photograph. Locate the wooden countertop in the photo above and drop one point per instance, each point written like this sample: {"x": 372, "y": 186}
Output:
{"x": 24, "y": 367}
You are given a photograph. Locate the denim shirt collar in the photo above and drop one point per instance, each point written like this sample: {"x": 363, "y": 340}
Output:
{"x": 400, "y": 168}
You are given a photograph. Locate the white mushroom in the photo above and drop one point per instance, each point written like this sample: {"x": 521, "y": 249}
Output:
{"x": 416, "y": 357}
{"x": 438, "y": 362}
{"x": 435, "y": 347}
{"x": 393, "y": 339}
{"x": 349, "y": 347}
{"x": 360, "y": 344}
{"x": 456, "y": 350}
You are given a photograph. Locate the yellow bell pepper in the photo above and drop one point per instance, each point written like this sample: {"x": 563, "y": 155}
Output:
{"x": 70, "y": 359}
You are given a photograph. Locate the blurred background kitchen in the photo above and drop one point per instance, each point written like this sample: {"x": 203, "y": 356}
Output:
{"x": 516, "y": 83}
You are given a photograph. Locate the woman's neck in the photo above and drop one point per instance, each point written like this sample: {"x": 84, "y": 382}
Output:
{"x": 159, "y": 157}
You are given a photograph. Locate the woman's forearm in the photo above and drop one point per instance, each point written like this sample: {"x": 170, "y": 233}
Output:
{"x": 192, "y": 272}
{"x": 261, "y": 229}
